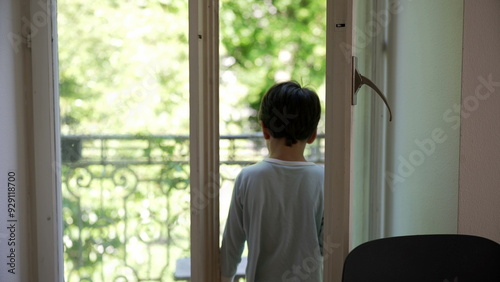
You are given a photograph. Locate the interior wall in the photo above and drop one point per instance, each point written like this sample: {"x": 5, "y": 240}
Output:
{"x": 14, "y": 174}
{"x": 479, "y": 196}
{"x": 424, "y": 72}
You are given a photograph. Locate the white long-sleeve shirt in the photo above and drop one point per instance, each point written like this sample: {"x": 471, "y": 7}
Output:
{"x": 277, "y": 207}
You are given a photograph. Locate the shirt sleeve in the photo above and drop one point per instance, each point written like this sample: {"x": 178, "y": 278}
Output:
{"x": 233, "y": 240}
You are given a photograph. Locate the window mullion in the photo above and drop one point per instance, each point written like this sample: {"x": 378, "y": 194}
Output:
{"x": 45, "y": 161}
{"x": 204, "y": 138}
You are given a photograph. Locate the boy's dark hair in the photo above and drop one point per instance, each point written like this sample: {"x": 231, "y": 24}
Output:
{"x": 291, "y": 111}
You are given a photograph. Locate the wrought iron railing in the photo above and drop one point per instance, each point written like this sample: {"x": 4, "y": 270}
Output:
{"x": 126, "y": 201}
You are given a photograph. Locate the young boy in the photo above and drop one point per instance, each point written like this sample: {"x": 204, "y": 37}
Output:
{"x": 277, "y": 204}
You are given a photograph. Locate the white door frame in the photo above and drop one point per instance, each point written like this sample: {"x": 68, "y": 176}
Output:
{"x": 204, "y": 131}
{"x": 46, "y": 215}
{"x": 338, "y": 135}
{"x": 204, "y": 138}
{"x": 46, "y": 235}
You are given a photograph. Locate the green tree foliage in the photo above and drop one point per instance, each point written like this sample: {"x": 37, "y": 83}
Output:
{"x": 270, "y": 40}
{"x": 123, "y": 66}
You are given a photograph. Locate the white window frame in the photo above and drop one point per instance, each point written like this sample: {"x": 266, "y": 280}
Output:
{"x": 48, "y": 264}
{"x": 204, "y": 58}
{"x": 204, "y": 138}
{"x": 46, "y": 233}
{"x": 204, "y": 141}
{"x": 338, "y": 135}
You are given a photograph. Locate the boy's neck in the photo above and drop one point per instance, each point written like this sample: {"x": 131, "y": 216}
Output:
{"x": 279, "y": 150}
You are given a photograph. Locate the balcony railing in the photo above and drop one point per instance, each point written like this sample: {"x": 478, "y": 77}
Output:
{"x": 126, "y": 201}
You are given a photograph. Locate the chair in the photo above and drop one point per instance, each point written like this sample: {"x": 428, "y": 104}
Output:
{"x": 440, "y": 258}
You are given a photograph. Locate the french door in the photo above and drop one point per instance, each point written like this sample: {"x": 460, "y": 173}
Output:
{"x": 341, "y": 119}
{"x": 389, "y": 178}
{"x": 204, "y": 137}
{"x": 355, "y": 130}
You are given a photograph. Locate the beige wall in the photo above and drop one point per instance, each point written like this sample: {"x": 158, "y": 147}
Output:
{"x": 479, "y": 195}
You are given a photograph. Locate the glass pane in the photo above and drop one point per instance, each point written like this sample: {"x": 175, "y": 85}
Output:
{"x": 125, "y": 147}
{"x": 262, "y": 43}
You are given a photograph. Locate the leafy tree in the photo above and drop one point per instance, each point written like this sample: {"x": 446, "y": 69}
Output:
{"x": 266, "y": 41}
{"x": 123, "y": 66}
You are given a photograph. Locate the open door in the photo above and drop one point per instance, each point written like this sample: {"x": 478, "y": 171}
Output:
{"x": 356, "y": 124}
{"x": 338, "y": 135}
{"x": 388, "y": 178}
{"x": 204, "y": 139}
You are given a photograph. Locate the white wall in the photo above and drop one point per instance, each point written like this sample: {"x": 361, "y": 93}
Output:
{"x": 13, "y": 148}
{"x": 479, "y": 197}
{"x": 424, "y": 73}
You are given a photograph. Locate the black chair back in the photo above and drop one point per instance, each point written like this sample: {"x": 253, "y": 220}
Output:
{"x": 420, "y": 258}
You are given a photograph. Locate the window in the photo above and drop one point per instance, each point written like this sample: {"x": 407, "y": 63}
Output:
{"x": 124, "y": 96}
{"x": 46, "y": 203}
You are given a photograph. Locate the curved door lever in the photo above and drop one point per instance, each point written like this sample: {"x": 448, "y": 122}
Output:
{"x": 359, "y": 80}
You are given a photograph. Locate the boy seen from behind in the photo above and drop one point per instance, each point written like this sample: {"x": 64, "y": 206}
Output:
{"x": 277, "y": 204}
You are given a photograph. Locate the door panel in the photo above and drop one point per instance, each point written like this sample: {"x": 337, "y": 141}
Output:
{"x": 338, "y": 133}
{"x": 399, "y": 177}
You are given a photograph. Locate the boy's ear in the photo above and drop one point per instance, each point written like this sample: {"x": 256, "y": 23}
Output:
{"x": 265, "y": 131}
{"x": 313, "y": 137}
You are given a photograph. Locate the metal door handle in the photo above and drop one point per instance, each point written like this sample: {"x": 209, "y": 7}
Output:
{"x": 359, "y": 80}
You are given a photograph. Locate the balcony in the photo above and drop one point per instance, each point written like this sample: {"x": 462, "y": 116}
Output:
{"x": 126, "y": 201}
